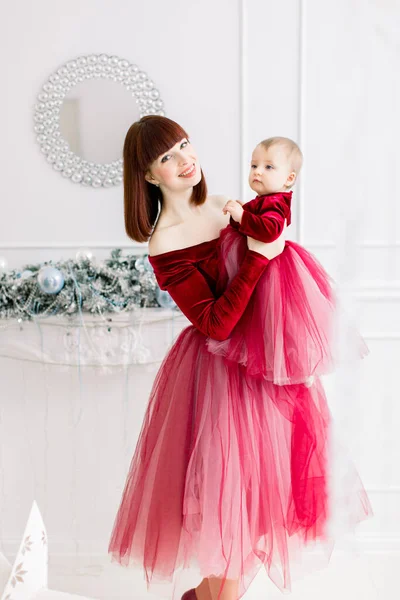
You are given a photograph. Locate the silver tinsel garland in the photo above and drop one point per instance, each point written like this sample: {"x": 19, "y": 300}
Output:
{"x": 117, "y": 284}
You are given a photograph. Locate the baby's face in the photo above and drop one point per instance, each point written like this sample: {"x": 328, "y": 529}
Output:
{"x": 269, "y": 170}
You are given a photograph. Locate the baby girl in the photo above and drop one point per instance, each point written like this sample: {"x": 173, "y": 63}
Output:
{"x": 286, "y": 334}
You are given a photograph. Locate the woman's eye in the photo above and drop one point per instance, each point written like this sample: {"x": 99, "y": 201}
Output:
{"x": 165, "y": 158}
{"x": 185, "y": 143}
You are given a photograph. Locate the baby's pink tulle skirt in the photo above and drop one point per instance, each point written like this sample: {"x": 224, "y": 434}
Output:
{"x": 288, "y": 331}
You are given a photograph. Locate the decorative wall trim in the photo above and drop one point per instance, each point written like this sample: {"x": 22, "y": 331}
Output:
{"x": 381, "y": 337}
{"x": 378, "y": 294}
{"x": 243, "y": 104}
{"x": 64, "y": 557}
{"x": 382, "y": 489}
{"x": 116, "y": 244}
{"x": 57, "y": 245}
{"x": 301, "y": 119}
{"x": 375, "y": 291}
{"x": 367, "y": 244}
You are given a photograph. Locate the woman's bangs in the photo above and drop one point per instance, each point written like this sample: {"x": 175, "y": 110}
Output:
{"x": 157, "y": 137}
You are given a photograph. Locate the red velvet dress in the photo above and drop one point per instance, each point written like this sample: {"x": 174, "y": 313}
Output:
{"x": 288, "y": 332}
{"x": 230, "y": 471}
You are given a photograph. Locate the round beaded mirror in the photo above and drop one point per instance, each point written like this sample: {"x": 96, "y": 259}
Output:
{"x": 83, "y": 112}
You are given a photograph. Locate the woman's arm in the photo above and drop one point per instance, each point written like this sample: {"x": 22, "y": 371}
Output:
{"x": 216, "y": 318}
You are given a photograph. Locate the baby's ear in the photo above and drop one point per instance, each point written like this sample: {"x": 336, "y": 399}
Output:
{"x": 291, "y": 178}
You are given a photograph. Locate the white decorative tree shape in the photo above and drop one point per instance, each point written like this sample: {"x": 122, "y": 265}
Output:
{"x": 28, "y": 576}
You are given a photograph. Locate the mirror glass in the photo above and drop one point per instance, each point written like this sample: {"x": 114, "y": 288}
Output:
{"x": 94, "y": 118}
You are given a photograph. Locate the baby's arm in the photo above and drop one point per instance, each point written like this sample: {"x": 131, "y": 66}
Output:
{"x": 267, "y": 225}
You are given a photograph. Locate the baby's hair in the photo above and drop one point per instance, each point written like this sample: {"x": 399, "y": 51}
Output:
{"x": 294, "y": 153}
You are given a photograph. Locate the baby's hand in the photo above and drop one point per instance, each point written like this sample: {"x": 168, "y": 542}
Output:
{"x": 234, "y": 208}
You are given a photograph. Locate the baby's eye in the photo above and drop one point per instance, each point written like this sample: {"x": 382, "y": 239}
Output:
{"x": 254, "y": 166}
{"x": 165, "y": 158}
{"x": 269, "y": 167}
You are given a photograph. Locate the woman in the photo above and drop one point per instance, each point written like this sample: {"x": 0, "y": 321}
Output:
{"x": 229, "y": 472}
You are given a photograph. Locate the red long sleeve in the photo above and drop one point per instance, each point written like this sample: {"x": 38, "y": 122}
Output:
{"x": 190, "y": 290}
{"x": 264, "y": 217}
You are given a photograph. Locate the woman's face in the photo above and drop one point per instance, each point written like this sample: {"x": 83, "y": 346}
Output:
{"x": 177, "y": 169}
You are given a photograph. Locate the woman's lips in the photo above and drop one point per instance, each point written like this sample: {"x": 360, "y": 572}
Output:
{"x": 189, "y": 172}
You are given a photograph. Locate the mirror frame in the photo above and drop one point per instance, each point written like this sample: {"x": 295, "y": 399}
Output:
{"x": 49, "y": 104}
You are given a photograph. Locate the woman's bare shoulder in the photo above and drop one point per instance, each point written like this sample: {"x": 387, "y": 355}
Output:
{"x": 164, "y": 240}
{"x": 167, "y": 237}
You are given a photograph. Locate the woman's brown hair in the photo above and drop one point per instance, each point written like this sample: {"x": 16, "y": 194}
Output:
{"x": 145, "y": 141}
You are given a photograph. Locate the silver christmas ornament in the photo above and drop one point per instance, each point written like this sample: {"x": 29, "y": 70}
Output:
{"x": 84, "y": 254}
{"x": 50, "y": 280}
{"x": 164, "y": 299}
{"x": 3, "y": 263}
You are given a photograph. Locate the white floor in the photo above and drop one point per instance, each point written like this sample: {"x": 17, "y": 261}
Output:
{"x": 366, "y": 577}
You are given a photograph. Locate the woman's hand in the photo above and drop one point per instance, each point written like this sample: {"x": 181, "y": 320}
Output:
{"x": 270, "y": 249}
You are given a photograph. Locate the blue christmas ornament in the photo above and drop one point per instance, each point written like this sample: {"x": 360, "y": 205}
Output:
{"x": 50, "y": 280}
{"x": 139, "y": 264}
{"x": 146, "y": 263}
{"x": 164, "y": 299}
{"x": 143, "y": 264}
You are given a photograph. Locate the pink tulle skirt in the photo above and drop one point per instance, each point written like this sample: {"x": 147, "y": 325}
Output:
{"x": 229, "y": 473}
{"x": 287, "y": 333}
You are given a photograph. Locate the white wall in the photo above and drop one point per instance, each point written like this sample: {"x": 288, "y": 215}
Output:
{"x": 190, "y": 52}
{"x": 233, "y": 73}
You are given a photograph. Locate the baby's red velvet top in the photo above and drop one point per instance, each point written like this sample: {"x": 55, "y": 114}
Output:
{"x": 264, "y": 217}
{"x": 190, "y": 276}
